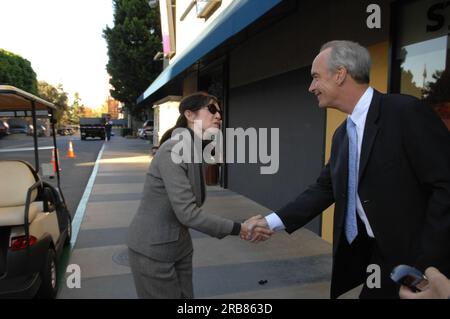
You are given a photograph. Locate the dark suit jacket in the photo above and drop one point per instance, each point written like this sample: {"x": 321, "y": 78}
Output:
{"x": 404, "y": 187}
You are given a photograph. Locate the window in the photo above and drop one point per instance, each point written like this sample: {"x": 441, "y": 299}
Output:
{"x": 422, "y": 54}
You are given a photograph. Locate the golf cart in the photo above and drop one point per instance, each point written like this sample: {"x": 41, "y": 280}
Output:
{"x": 35, "y": 223}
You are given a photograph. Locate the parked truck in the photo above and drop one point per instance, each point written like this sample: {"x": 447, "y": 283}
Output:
{"x": 92, "y": 127}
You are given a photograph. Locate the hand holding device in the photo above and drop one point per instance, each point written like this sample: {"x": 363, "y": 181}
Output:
{"x": 410, "y": 277}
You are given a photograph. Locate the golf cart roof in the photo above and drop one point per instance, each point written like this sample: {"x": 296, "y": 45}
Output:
{"x": 14, "y": 99}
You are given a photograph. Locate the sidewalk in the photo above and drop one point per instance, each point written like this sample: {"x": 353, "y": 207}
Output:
{"x": 286, "y": 266}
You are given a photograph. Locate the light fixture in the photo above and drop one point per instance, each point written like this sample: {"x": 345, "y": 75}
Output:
{"x": 158, "y": 56}
{"x": 206, "y": 8}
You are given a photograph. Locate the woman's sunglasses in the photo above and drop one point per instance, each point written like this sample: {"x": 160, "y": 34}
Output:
{"x": 212, "y": 108}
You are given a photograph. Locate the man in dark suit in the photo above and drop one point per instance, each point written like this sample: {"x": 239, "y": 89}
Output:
{"x": 388, "y": 175}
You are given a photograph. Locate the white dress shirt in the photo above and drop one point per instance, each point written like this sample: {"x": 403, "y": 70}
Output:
{"x": 358, "y": 117}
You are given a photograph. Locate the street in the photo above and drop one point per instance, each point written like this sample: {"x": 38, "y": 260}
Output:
{"x": 75, "y": 172}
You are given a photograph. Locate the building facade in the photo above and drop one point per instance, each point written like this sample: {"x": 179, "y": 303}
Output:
{"x": 256, "y": 57}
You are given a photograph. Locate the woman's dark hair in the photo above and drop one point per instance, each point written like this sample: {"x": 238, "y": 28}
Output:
{"x": 193, "y": 102}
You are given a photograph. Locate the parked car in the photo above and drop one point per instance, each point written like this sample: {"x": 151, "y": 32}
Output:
{"x": 41, "y": 130}
{"x": 65, "y": 130}
{"x": 146, "y": 131}
{"x": 4, "y": 128}
{"x": 18, "y": 129}
{"x": 140, "y": 133}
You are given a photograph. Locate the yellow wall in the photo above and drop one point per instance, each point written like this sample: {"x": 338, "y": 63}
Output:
{"x": 379, "y": 81}
{"x": 379, "y": 73}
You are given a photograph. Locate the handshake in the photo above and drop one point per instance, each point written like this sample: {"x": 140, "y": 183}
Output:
{"x": 255, "y": 229}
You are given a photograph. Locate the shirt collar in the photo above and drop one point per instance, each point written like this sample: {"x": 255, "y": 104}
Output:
{"x": 359, "y": 113}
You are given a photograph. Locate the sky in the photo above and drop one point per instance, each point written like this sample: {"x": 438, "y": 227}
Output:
{"x": 63, "y": 41}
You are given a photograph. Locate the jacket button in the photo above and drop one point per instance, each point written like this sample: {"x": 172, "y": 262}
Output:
{"x": 367, "y": 201}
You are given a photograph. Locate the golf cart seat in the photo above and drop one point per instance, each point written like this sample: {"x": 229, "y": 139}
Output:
{"x": 18, "y": 177}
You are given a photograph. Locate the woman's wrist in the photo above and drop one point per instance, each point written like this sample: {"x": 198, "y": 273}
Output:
{"x": 236, "y": 229}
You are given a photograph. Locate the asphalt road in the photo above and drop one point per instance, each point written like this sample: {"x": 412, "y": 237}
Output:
{"x": 75, "y": 172}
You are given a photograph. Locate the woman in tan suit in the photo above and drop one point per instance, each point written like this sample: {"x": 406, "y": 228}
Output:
{"x": 160, "y": 246}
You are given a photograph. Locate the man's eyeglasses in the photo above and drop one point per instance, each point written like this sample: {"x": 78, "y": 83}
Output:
{"x": 212, "y": 108}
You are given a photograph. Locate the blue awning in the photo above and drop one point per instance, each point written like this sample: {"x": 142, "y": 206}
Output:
{"x": 238, "y": 15}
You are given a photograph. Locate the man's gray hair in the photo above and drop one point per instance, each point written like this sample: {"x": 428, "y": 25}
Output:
{"x": 351, "y": 55}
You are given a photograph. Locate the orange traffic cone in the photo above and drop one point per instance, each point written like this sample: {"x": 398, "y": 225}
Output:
{"x": 54, "y": 161}
{"x": 70, "y": 152}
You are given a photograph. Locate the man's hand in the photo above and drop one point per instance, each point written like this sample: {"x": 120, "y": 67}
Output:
{"x": 256, "y": 229}
{"x": 246, "y": 227}
{"x": 438, "y": 287}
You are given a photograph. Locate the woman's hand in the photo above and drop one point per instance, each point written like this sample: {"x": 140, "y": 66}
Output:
{"x": 255, "y": 229}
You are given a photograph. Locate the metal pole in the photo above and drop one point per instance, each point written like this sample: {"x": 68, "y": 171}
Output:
{"x": 35, "y": 138}
{"x": 55, "y": 147}
{"x": 225, "y": 120}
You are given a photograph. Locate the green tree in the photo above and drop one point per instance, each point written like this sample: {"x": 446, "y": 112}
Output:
{"x": 57, "y": 96}
{"x": 438, "y": 91}
{"x": 76, "y": 110}
{"x": 437, "y": 94}
{"x": 408, "y": 86}
{"x": 17, "y": 71}
{"x": 132, "y": 43}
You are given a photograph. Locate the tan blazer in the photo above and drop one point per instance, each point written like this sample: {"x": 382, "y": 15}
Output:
{"x": 171, "y": 203}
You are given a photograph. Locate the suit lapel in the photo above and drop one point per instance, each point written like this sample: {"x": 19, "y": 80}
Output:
{"x": 370, "y": 132}
{"x": 340, "y": 171}
{"x": 339, "y": 168}
{"x": 342, "y": 161}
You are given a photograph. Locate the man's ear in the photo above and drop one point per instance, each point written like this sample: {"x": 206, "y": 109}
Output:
{"x": 341, "y": 75}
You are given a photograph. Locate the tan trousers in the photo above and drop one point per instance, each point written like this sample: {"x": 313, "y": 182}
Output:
{"x": 155, "y": 279}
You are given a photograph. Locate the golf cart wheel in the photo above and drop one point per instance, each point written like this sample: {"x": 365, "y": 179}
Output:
{"x": 69, "y": 231}
{"x": 49, "y": 284}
